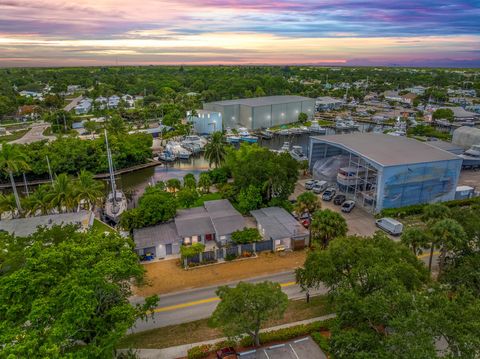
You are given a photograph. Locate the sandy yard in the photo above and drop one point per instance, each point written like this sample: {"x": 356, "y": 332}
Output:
{"x": 167, "y": 276}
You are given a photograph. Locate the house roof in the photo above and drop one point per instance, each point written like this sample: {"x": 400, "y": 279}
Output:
{"x": 164, "y": 233}
{"x": 263, "y": 101}
{"x": 387, "y": 150}
{"x": 24, "y": 227}
{"x": 217, "y": 216}
{"x": 278, "y": 223}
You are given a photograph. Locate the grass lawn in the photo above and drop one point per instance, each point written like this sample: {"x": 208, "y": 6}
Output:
{"x": 199, "y": 330}
{"x": 99, "y": 226}
{"x": 167, "y": 276}
{"x": 14, "y": 136}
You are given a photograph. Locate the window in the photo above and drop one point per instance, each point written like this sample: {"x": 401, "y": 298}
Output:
{"x": 186, "y": 240}
{"x": 194, "y": 239}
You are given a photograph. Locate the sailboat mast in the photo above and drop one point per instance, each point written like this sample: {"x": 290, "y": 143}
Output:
{"x": 110, "y": 169}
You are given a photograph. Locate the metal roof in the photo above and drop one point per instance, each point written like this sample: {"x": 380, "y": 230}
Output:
{"x": 278, "y": 223}
{"x": 387, "y": 150}
{"x": 164, "y": 233}
{"x": 24, "y": 227}
{"x": 262, "y": 101}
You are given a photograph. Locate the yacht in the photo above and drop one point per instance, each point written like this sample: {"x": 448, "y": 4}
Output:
{"x": 297, "y": 153}
{"x": 116, "y": 202}
{"x": 249, "y": 138}
{"x": 178, "y": 150}
{"x": 471, "y": 157}
{"x": 316, "y": 128}
{"x": 167, "y": 156}
{"x": 351, "y": 124}
{"x": 284, "y": 132}
{"x": 194, "y": 143}
{"x": 341, "y": 125}
{"x": 285, "y": 147}
{"x": 267, "y": 135}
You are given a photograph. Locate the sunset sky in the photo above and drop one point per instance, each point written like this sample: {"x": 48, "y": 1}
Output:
{"x": 341, "y": 32}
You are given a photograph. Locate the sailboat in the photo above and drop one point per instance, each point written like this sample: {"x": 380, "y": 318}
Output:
{"x": 116, "y": 202}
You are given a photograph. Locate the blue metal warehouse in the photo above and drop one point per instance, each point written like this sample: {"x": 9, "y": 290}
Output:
{"x": 383, "y": 171}
{"x": 262, "y": 112}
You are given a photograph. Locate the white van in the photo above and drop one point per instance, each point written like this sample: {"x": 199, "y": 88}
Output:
{"x": 390, "y": 225}
{"x": 320, "y": 186}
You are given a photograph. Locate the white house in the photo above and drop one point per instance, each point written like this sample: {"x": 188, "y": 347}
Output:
{"x": 113, "y": 101}
{"x": 84, "y": 106}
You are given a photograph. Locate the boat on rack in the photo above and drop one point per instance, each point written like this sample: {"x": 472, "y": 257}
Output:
{"x": 116, "y": 202}
{"x": 194, "y": 143}
{"x": 297, "y": 153}
{"x": 232, "y": 138}
{"x": 471, "y": 157}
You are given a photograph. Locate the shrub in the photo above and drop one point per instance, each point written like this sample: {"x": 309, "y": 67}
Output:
{"x": 246, "y": 235}
{"x": 230, "y": 257}
{"x": 407, "y": 211}
{"x": 200, "y": 352}
{"x": 321, "y": 341}
{"x": 219, "y": 175}
{"x": 190, "y": 251}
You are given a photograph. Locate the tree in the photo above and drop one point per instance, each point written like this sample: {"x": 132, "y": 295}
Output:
{"x": 215, "y": 151}
{"x": 116, "y": 126}
{"x": 246, "y": 235}
{"x": 249, "y": 199}
{"x": 61, "y": 195}
{"x": 244, "y": 308}
{"x": 205, "y": 182}
{"x": 66, "y": 294}
{"x": 302, "y": 117}
{"x": 87, "y": 189}
{"x": 372, "y": 282}
{"x": 327, "y": 225}
{"x": 449, "y": 236}
{"x": 189, "y": 181}
{"x": 38, "y": 201}
{"x": 13, "y": 161}
{"x": 443, "y": 114}
{"x": 416, "y": 239}
{"x": 186, "y": 197}
{"x": 431, "y": 214}
{"x": 307, "y": 202}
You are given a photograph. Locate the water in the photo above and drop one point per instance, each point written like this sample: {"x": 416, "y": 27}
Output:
{"x": 134, "y": 183}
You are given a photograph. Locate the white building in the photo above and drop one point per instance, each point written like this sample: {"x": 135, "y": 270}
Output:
{"x": 206, "y": 122}
{"x": 113, "y": 101}
{"x": 84, "y": 106}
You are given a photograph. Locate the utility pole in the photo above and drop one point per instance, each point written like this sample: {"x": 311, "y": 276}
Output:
{"x": 64, "y": 123}
{"x": 25, "y": 183}
{"x": 49, "y": 170}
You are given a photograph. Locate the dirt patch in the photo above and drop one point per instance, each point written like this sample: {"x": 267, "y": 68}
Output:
{"x": 167, "y": 276}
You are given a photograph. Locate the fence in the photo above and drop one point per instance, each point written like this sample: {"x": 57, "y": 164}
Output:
{"x": 232, "y": 251}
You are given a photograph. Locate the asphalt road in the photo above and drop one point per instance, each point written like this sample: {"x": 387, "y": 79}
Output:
{"x": 191, "y": 305}
{"x": 187, "y": 306}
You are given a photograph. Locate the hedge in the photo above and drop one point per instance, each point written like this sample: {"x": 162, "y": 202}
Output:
{"x": 284, "y": 334}
{"x": 415, "y": 209}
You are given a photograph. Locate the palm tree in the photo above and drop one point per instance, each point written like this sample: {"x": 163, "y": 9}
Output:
{"x": 13, "y": 160}
{"x": 38, "y": 201}
{"x": 215, "y": 151}
{"x": 62, "y": 196}
{"x": 327, "y": 225}
{"x": 307, "y": 202}
{"x": 432, "y": 214}
{"x": 449, "y": 235}
{"x": 8, "y": 204}
{"x": 204, "y": 182}
{"x": 416, "y": 239}
{"x": 87, "y": 189}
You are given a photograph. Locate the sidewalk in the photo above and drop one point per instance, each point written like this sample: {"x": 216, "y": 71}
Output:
{"x": 181, "y": 350}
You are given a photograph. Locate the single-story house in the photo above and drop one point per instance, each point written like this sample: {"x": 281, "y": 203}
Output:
{"x": 24, "y": 227}
{"x": 275, "y": 223}
{"x": 213, "y": 223}
{"x": 160, "y": 240}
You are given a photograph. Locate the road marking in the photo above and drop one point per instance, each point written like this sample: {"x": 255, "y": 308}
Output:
{"x": 185, "y": 305}
{"x": 425, "y": 255}
{"x": 266, "y": 354}
{"x": 203, "y": 301}
{"x": 294, "y": 352}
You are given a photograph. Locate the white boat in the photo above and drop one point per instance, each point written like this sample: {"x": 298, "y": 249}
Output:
{"x": 284, "y": 132}
{"x": 178, "y": 150}
{"x": 297, "y": 153}
{"x": 471, "y": 157}
{"x": 351, "y": 124}
{"x": 167, "y": 156}
{"x": 315, "y": 127}
{"x": 341, "y": 125}
{"x": 232, "y": 138}
{"x": 400, "y": 128}
{"x": 116, "y": 202}
{"x": 194, "y": 143}
{"x": 285, "y": 147}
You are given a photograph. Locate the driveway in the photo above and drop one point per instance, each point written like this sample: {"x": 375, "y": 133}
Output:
{"x": 34, "y": 135}
{"x": 359, "y": 221}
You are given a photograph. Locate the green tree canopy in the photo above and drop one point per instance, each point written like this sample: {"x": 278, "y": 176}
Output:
{"x": 66, "y": 293}
{"x": 244, "y": 308}
{"x": 327, "y": 225}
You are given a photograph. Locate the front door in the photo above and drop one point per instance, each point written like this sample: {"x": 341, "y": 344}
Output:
{"x": 168, "y": 249}
{"x": 208, "y": 237}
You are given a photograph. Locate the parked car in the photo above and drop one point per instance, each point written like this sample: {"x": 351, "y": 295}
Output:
{"x": 309, "y": 184}
{"x": 390, "y": 225}
{"x": 347, "y": 206}
{"x": 320, "y": 186}
{"x": 339, "y": 199}
{"x": 227, "y": 353}
{"x": 328, "y": 194}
